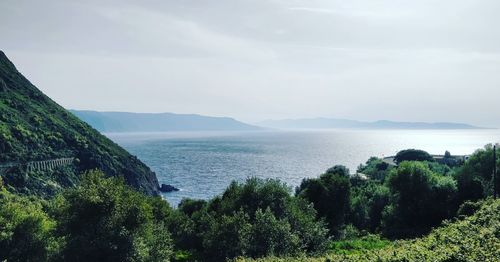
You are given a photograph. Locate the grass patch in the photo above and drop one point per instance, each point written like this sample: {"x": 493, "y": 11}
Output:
{"x": 354, "y": 246}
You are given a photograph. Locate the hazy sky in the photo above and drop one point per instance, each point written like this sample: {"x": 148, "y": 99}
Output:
{"x": 254, "y": 59}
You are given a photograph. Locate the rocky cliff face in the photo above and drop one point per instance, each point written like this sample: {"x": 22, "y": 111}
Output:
{"x": 35, "y": 128}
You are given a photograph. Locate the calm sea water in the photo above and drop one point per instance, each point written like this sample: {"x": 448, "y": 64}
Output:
{"x": 203, "y": 164}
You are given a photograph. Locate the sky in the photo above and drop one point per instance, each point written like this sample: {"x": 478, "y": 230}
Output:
{"x": 263, "y": 59}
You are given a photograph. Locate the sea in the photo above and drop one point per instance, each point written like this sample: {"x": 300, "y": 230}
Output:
{"x": 203, "y": 164}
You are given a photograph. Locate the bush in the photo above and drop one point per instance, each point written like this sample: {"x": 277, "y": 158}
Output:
{"x": 330, "y": 195}
{"x": 227, "y": 237}
{"x": 272, "y": 236}
{"x": 421, "y": 199}
{"x": 104, "y": 220}
{"x": 368, "y": 201}
{"x": 474, "y": 238}
{"x": 468, "y": 208}
{"x": 356, "y": 246}
{"x": 252, "y": 195}
{"x": 255, "y": 218}
{"x": 26, "y": 231}
{"x": 413, "y": 155}
{"x": 475, "y": 176}
{"x": 375, "y": 168}
{"x": 338, "y": 170}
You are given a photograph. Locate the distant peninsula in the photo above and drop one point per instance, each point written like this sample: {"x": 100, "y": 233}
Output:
{"x": 158, "y": 122}
{"x": 325, "y": 123}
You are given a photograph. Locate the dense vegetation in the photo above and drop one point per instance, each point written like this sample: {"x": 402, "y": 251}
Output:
{"x": 104, "y": 220}
{"x": 33, "y": 127}
{"x": 100, "y": 220}
{"x": 474, "y": 238}
{"x": 256, "y": 218}
{"x": 412, "y": 155}
{"x": 335, "y": 216}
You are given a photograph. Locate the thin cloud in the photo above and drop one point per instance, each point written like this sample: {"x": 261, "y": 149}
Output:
{"x": 314, "y": 10}
{"x": 254, "y": 60}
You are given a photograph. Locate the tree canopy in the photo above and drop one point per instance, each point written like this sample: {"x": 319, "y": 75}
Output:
{"x": 412, "y": 155}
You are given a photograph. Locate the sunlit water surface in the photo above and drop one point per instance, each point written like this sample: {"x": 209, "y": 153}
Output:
{"x": 203, "y": 164}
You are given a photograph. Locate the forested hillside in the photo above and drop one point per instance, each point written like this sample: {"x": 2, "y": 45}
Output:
{"x": 35, "y": 128}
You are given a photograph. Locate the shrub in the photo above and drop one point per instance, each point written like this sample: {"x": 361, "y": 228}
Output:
{"x": 475, "y": 176}
{"x": 227, "y": 236}
{"x": 26, "y": 231}
{"x": 468, "y": 208}
{"x": 421, "y": 200}
{"x": 474, "y": 238}
{"x": 330, "y": 195}
{"x": 368, "y": 200}
{"x": 413, "y": 155}
{"x": 272, "y": 236}
{"x": 359, "y": 245}
{"x": 104, "y": 220}
{"x": 375, "y": 168}
{"x": 255, "y": 218}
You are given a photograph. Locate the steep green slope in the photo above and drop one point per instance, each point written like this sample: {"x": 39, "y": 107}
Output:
{"x": 35, "y": 128}
{"x": 474, "y": 238}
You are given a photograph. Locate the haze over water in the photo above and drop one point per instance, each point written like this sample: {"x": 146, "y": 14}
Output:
{"x": 202, "y": 164}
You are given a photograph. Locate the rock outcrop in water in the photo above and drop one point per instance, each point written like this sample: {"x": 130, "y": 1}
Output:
{"x": 167, "y": 188}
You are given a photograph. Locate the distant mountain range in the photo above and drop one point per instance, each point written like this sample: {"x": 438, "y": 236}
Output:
{"x": 324, "y": 123}
{"x": 159, "y": 122}
{"x": 165, "y": 122}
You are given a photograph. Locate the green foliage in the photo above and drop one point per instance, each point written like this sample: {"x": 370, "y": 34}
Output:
{"x": 338, "y": 170}
{"x": 450, "y": 160}
{"x": 368, "y": 201}
{"x": 272, "y": 236}
{"x": 33, "y": 127}
{"x": 104, "y": 220}
{"x": 330, "y": 195}
{"x": 40, "y": 183}
{"x": 100, "y": 220}
{"x": 413, "y": 155}
{"x": 183, "y": 255}
{"x": 421, "y": 200}
{"x": 413, "y": 199}
{"x": 438, "y": 168}
{"x": 359, "y": 245}
{"x": 475, "y": 238}
{"x": 256, "y": 218}
{"x": 468, "y": 208}
{"x": 252, "y": 195}
{"x": 475, "y": 176}
{"x": 375, "y": 168}
{"x": 228, "y": 236}
{"x": 408, "y": 201}
{"x": 26, "y": 231}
